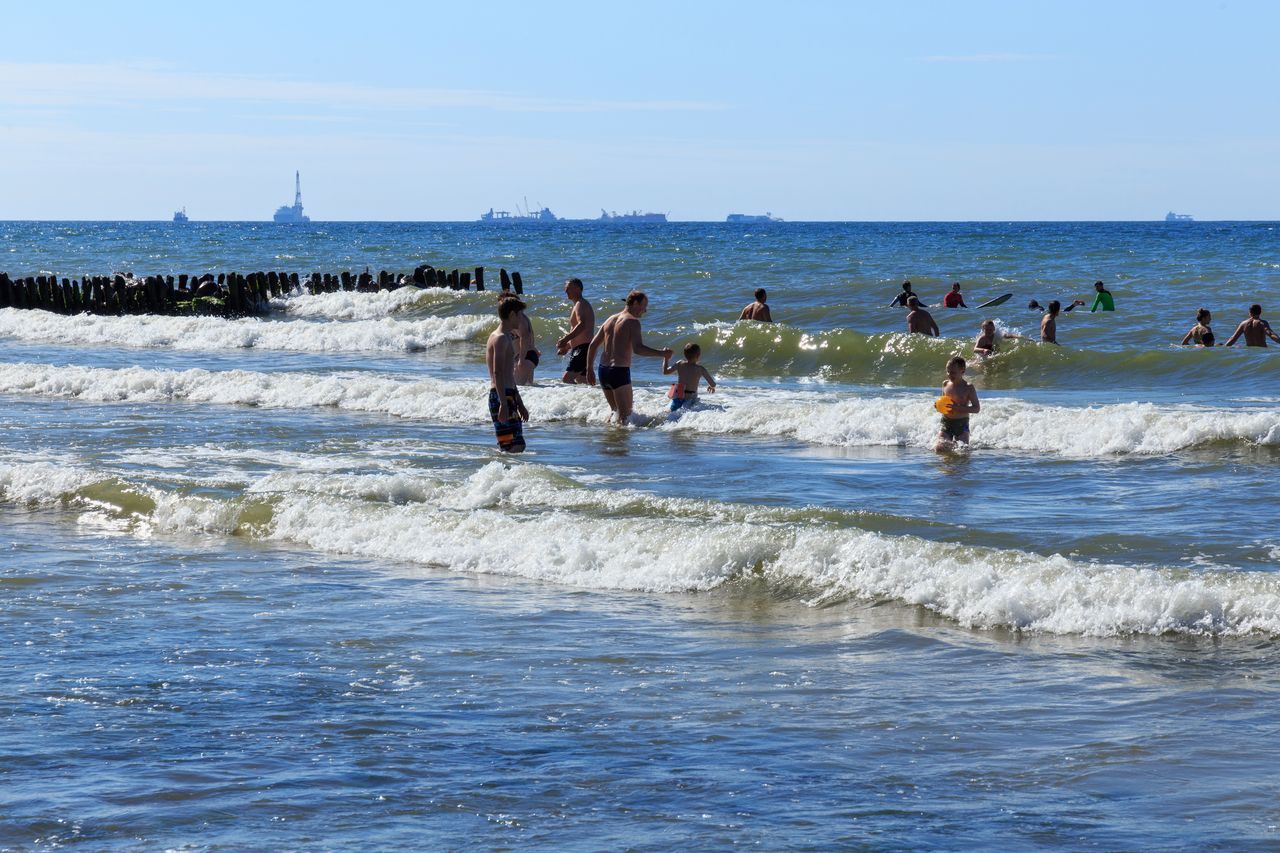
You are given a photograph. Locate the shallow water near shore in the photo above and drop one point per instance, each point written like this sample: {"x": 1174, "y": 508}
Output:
{"x": 268, "y": 583}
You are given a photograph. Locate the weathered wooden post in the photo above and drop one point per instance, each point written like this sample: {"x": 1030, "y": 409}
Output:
{"x": 442, "y": 278}
{"x": 479, "y": 278}
{"x": 465, "y": 281}
{"x": 504, "y": 279}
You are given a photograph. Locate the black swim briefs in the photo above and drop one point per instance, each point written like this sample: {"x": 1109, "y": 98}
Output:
{"x": 577, "y": 359}
{"x": 614, "y": 377}
{"x": 532, "y": 357}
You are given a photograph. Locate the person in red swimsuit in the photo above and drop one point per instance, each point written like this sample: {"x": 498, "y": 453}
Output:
{"x": 954, "y": 299}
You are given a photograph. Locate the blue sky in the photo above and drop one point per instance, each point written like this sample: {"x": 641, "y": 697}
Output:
{"x": 811, "y": 110}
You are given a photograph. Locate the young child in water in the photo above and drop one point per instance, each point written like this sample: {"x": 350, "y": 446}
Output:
{"x": 959, "y": 400}
{"x": 688, "y": 373}
{"x": 988, "y": 338}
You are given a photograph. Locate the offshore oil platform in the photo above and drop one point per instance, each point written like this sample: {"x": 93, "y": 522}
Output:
{"x": 284, "y": 213}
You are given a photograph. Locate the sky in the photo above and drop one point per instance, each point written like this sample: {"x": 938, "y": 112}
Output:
{"x": 876, "y": 111}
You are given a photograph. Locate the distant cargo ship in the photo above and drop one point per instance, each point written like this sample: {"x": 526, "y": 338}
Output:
{"x": 180, "y": 215}
{"x": 293, "y": 214}
{"x": 1178, "y": 217}
{"x": 750, "y": 217}
{"x": 633, "y": 216}
{"x": 544, "y": 215}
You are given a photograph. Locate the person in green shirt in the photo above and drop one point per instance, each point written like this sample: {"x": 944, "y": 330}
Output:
{"x": 1103, "y": 300}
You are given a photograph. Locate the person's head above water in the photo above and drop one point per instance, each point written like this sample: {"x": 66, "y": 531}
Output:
{"x": 1203, "y": 317}
{"x": 988, "y": 326}
{"x": 956, "y": 287}
{"x": 637, "y": 302}
{"x": 1255, "y": 310}
{"x": 761, "y": 296}
{"x": 1055, "y": 306}
{"x": 508, "y": 308}
{"x": 692, "y": 352}
{"x": 1099, "y": 286}
{"x": 906, "y": 285}
{"x": 913, "y": 302}
{"x": 573, "y": 288}
{"x": 955, "y": 367}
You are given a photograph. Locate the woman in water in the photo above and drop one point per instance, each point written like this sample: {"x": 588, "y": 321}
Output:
{"x": 1201, "y": 335}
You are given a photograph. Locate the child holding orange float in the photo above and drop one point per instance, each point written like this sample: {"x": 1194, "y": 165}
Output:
{"x": 959, "y": 400}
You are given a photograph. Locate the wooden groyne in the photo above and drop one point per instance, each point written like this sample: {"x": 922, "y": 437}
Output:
{"x": 224, "y": 295}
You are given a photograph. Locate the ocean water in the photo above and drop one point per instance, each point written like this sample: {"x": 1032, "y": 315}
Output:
{"x": 269, "y": 584}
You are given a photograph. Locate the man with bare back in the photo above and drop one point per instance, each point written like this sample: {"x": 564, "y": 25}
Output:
{"x": 505, "y": 406}
{"x": 1254, "y": 329}
{"x": 582, "y": 327}
{"x": 758, "y": 310}
{"x": 617, "y": 341}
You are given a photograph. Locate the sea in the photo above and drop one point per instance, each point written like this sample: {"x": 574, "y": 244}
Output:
{"x": 268, "y": 583}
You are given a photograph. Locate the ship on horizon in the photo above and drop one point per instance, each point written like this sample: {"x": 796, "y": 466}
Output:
{"x": 751, "y": 217}
{"x": 506, "y": 216}
{"x": 1178, "y": 217}
{"x": 181, "y": 216}
{"x": 633, "y": 216}
{"x": 285, "y": 213}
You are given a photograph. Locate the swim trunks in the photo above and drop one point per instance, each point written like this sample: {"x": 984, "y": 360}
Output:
{"x": 532, "y": 357}
{"x": 955, "y": 428}
{"x": 577, "y": 359}
{"x": 511, "y": 432}
{"x": 612, "y": 378}
{"x": 686, "y": 400}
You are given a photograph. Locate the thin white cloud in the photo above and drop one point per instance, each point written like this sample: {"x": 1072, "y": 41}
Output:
{"x": 993, "y": 57}
{"x": 48, "y": 85}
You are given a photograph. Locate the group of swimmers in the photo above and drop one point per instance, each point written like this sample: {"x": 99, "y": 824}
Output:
{"x": 512, "y": 355}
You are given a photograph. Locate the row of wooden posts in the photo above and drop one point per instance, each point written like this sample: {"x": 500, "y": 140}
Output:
{"x": 227, "y": 294}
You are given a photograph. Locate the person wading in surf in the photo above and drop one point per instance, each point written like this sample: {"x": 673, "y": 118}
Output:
{"x": 920, "y": 321}
{"x": 582, "y": 326}
{"x": 1254, "y": 329}
{"x": 617, "y": 341}
{"x": 505, "y": 406}
{"x": 758, "y": 310}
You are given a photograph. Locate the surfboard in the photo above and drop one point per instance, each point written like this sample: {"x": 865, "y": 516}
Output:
{"x": 999, "y": 300}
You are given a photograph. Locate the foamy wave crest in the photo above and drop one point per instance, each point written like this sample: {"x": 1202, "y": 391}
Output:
{"x": 810, "y": 417}
{"x": 216, "y": 333}
{"x": 352, "y": 305}
{"x": 555, "y": 530}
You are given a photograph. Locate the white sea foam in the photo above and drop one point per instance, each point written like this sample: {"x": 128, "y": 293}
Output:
{"x": 215, "y": 333}
{"x": 526, "y": 521}
{"x": 820, "y": 418}
{"x": 352, "y": 305}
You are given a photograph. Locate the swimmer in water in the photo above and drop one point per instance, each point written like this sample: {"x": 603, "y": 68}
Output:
{"x": 1255, "y": 330}
{"x": 758, "y": 310}
{"x": 1104, "y": 300}
{"x": 954, "y": 299}
{"x": 1201, "y": 334}
{"x": 959, "y": 400}
{"x": 920, "y": 321}
{"x": 688, "y": 373}
{"x": 989, "y": 339}
{"x": 904, "y": 297}
{"x": 617, "y": 340}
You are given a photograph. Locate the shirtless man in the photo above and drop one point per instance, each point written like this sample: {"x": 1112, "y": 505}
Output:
{"x": 920, "y": 321}
{"x": 758, "y": 310}
{"x": 1255, "y": 330}
{"x": 527, "y": 353}
{"x": 505, "y": 406}
{"x": 1049, "y": 323}
{"x": 582, "y": 327}
{"x": 617, "y": 340}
